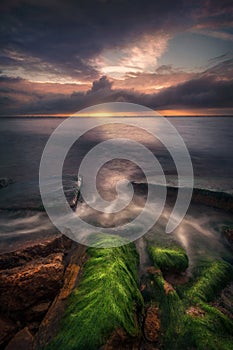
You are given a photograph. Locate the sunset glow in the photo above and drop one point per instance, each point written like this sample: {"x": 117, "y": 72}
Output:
{"x": 174, "y": 58}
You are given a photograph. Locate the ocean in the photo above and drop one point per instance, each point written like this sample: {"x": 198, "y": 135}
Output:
{"x": 208, "y": 139}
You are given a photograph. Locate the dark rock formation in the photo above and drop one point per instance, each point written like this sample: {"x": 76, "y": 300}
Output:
{"x": 216, "y": 199}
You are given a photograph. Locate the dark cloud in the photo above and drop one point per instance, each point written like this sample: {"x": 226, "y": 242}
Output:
{"x": 102, "y": 84}
{"x": 59, "y": 38}
{"x": 203, "y": 92}
{"x": 66, "y": 34}
{"x": 6, "y": 79}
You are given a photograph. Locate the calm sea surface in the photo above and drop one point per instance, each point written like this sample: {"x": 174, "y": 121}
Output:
{"x": 209, "y": 141}
{"x": 22, "y": 141}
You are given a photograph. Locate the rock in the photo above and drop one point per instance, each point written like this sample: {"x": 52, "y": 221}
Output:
{"x": 50, "y": 324}
{"x": 23, "y": 340}
{"x": 8, "y": 329}
{"x": 37, "y": 312}
{"x": 195, "y": 311}
{"x": 27, "y": 285}
{"x": 4, "y": 182}
{"x": 120, "y": 340}
{"x": 153, "y": 270}
{"x": 168, "y": 288}
{"x": 152, "y": 324}
{"x": 49, "y": 246}
{"x": 177, "y": 278}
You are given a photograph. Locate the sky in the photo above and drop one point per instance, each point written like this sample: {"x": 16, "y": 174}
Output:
{"x": 59, "y": 56}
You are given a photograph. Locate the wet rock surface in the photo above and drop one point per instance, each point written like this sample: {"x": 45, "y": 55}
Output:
{"x": 216, "y": 199}
{"x": 29, "y": 284}
{"x": 21, "y": 257}
{"x": 50, "y": 323}
{"x": 30, "y": 279}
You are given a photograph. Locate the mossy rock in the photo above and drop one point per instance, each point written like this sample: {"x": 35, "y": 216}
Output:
{"x": 106, "y": 299}
{"x": 188, "y": 320}
{"x": 169, "y": 259}
{"x": 210, "y": 278}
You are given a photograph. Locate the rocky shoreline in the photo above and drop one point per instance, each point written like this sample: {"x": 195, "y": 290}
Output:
{"x": 215, "y": 199}
{"x": 36, "y": 281}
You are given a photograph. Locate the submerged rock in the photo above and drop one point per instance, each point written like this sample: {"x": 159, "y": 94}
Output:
{"x": 152, "y": 324}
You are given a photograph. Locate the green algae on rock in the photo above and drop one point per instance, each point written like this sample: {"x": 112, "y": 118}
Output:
{"x": 107, "y": 298}
{"x": 169, "y": 258}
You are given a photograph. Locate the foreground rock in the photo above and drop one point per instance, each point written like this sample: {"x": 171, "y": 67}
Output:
{"x": 30, "y": 279}
{"x": 50, "y": 324}
{"x": 46, "y": 247}
{"x": 28, "y": 285}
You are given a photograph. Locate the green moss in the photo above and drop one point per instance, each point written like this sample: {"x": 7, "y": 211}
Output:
{"x": 106, "y": 298}
{"x": 209, "y": 329}
{"x": 201, "y": 333}
{"x": 169, "y": 259}
{"x": 210, "y": 278}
